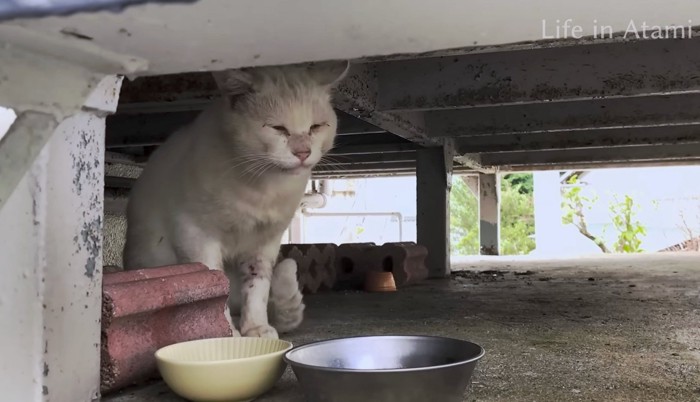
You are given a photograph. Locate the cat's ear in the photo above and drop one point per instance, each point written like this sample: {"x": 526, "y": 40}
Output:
{"x": 330, "y": 73}
{"x": 234, "y": 82}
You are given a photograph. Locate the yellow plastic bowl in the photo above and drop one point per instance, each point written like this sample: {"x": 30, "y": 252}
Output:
{"x": 223, "y": 369}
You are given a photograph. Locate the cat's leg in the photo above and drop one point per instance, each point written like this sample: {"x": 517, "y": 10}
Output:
{"x": 286, "y": 306}
{"x": 255, "y": 274}
{"x": 193, "y": 247}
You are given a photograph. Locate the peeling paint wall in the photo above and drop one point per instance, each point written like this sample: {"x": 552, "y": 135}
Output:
{"x": 51, "y": 242}
{"x": 74, "y": 245}
{"x": 51, "y": 245}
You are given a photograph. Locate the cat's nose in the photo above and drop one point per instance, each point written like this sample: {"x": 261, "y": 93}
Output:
{"x": 302, "y": 155}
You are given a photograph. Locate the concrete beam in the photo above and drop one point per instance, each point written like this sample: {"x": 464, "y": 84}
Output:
{"x": 153, "y": 128}
{"x": 394, "y": 172}
{"x": 489, "y": 213}
{"x": 540, "y": 75}
{"x": 377, "y": 158}
{"x": 600, "y": 113}
{"x": 185, "y": 93}
{"x": 570, "y": 139}
{"x": 472, "y": 182}
{"x": 383, "y": 172}
{"x": 356, "y": 167}
{"x": 374, "y": 149}
{"x": 353, "y": 166}
{"x": 599, "y": 165}
{"x": 433, "y": 202}
{"x": 369, "y": 139}
{"x": 357, "y": 96}
{"x": 41, "y": 101}
{"x": 569, "y": 159}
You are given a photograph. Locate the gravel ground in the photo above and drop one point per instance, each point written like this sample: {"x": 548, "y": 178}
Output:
{"x": 591, "y": 329}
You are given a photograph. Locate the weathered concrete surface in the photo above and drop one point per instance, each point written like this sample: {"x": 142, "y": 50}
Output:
{"x": 489, "y": 213}
{"x": 613, "y": 329}
{"x": 433, "y": 204}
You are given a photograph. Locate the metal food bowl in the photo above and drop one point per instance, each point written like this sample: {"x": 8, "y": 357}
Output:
{"x": 385, "y": 369}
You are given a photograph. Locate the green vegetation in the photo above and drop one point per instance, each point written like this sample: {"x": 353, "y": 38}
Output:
{"x": 622, "y": 214}
{"x": 517, "y": 216}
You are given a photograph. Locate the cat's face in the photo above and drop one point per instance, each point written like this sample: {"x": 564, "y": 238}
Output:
{"x": 283, "y": 116}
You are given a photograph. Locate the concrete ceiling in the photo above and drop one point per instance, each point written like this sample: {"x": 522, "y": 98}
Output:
{"x": 217, "y": 34}
{"x": 476, "y": 75}
{"x": 571, "y": 106}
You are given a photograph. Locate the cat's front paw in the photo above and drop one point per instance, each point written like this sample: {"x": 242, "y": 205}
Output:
{"x": 261, "y": 331}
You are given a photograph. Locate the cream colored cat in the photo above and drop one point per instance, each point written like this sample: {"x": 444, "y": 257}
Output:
{"x": 222, "y": 190}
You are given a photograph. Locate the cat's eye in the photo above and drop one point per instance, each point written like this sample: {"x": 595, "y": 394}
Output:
{"x": 281, "y": 129}
{"x": 315, "y": 127}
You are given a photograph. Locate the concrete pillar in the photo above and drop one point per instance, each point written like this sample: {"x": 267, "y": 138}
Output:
{"x": 547, "y": 198}
{"x": 433, "y": 206}
{"x": 489, "y": 213}
{"x": 472, "y": 182}
{"x": 51, "y": 248}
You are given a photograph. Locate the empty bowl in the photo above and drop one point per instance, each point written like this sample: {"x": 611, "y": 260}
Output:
{"x": 223, "y": 369}
{"x": 385, "y": 368}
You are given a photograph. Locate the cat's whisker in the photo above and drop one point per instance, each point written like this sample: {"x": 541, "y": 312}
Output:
{"x": 233, "y": 167}
{"x": 264, "y": 168}
{"x": 250, "y": 170}
{"x": 331, "y": 163}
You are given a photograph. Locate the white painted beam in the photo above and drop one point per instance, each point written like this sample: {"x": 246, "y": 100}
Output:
{"x": 43, "y": 89}
{"x": 217, "y": 34}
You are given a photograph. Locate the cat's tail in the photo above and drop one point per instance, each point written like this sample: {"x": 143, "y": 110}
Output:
{"x": 286, "y": 307}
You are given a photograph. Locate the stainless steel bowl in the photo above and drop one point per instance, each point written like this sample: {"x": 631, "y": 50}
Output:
{"x": 385, "y": 369}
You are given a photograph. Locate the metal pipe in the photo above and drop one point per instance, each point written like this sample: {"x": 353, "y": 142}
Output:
{"x": 313, "y": 200}
{"x": 341, "y": 214}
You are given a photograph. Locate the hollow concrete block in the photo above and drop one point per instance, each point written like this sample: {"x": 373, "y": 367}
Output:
{"x": 147, "y": 309}
{"x": 316, "y": 264}
{"x": 406, "y": 260}
{"x": 353, "y": 261}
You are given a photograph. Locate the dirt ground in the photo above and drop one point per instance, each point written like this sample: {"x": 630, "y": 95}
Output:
{"x": 592, "y": 329}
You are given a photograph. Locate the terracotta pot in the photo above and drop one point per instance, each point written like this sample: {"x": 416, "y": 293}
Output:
{"x": 380, "y": 282}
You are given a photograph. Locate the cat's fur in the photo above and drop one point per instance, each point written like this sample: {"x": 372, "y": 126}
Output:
{"x": 222, "y": 190}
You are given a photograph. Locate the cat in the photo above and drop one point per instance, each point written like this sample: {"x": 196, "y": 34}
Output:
{"x": 222, "y": 190}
